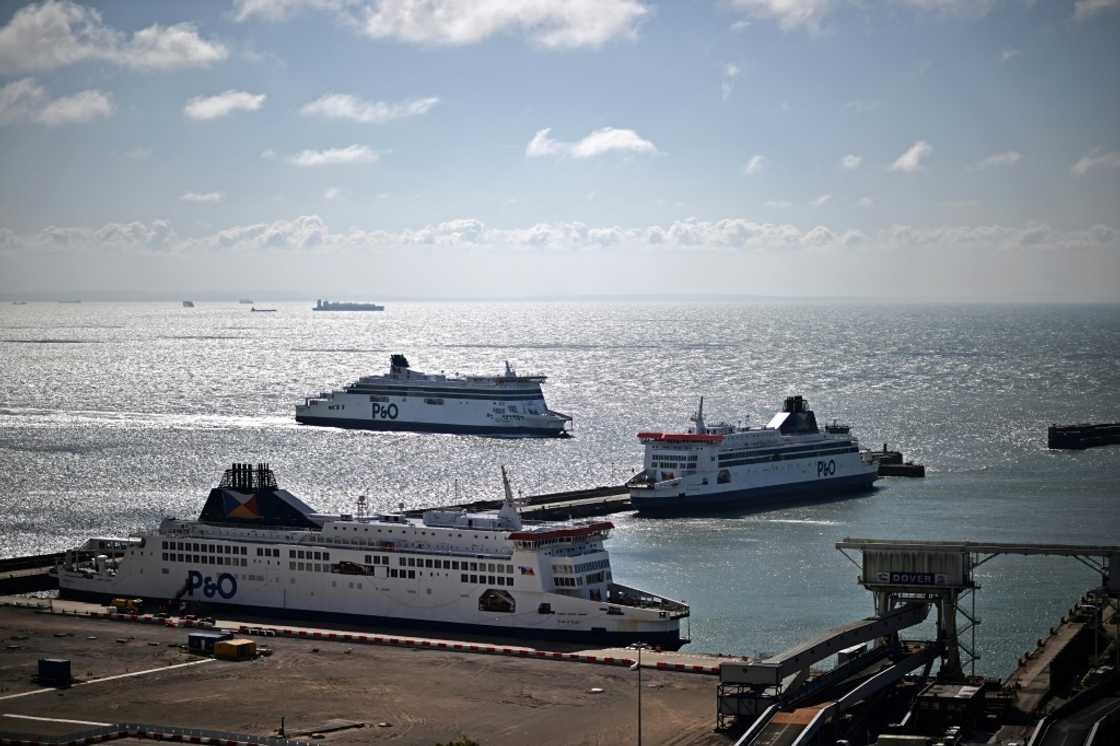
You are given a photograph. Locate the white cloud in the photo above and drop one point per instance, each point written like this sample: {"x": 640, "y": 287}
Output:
{"x": 335, "y": 156}
{"x": 952, "y": 7}
{"x": 1096, "y": 159}
{"x": 279, "y": 10}
{"x": 730, "y": 74}
{"x": 1084, "y": 9}
{"x": 788, "y": 14}
{"x": 576, "y": 23}
{"x": 211, "y": 197}
{"x": 1008, "y": 158}
{"x": 53, "y": 34}
{"x": 911, "y": 160}
{"x": 821, "y": 200}
{"x": 597, "y": 143}
{"x": 851, "y": 161}
{"x": 755, "y": 165}
{"x": 865, "y": 202}
{"x": 331, "y": 193}
{"x": 213, "y": 107}
{"x": 344, "y": 106}
{"x": 26, "y": 101}
{"x": 1008, "y": 54}
{"x": 777, "y": 204}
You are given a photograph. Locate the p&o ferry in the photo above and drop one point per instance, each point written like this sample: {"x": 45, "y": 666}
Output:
{"x": 727, "y": 467}
{"x": 506, "y": 405}
{"x": 257, "y": 548}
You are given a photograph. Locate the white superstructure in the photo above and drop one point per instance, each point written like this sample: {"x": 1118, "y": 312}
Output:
{"x": 258, "y": 549}
{"x": 507, "y": 405}
{"x": 724, "y": 466}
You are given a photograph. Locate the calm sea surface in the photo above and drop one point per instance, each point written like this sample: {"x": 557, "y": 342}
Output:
{"x": 113, "y": 415}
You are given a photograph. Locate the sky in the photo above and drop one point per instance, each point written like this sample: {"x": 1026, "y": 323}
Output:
{"x": 911, "y": 149}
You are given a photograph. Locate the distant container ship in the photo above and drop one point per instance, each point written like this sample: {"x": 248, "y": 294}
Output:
{"x": 726, "y": 467}
{"x": 506, "y": 405}
{"x": 326, "y": 305}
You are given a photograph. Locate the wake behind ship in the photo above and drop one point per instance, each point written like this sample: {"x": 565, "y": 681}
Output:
{"x": 258, "y": 549}
{"x": 506, "y": 405}
{"x": 725, "y": 467}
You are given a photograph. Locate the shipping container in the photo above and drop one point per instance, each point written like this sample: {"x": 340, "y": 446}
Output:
{"x": 235, "y": 650}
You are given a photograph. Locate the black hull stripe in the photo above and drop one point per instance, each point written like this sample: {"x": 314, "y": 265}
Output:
{"x": 429, "y": 427}
{"x": 261, "y": 614}
{"x": 760, "y": 498}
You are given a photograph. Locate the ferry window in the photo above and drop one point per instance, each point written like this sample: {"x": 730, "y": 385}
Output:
{"x": 291, "y": 553}
{"x": 491, "y": 579}
{"x": 368, "y": 558}
{"x": 179, "y": 558}
{"x": 291, "y": 565}
{"x": 447, "y": 564}
{"x": 318, "y": 555}
{"x": 392, "y": 573}
{"x": 474, "y": 578}
{"x": 326, "y": 555}
{"x": 300, "y": 554}
{"x": 490, "y": 567}
{"x": 463, "y": 578}
{"x": 412, "y": 562}
{"x": 165, "y": 556}
{"x": 194, "y": 548}
{"x": 412, "y": 574}
{"x": 474, "y": 566}
{"x": 455, "y": 564}
{"x": 427, "y": 563}
{"x": 400, "y": 561}
{"x": 300, "y": 566}
{"x": 259, "y": 553}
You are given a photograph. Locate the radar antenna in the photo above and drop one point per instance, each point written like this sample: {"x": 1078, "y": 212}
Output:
{"x": 361, "y": 509}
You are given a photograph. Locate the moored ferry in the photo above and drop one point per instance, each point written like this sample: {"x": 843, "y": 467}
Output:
{"x": 505, "y": 405}
{"x": 727, "y": 467}
{"x": 256, "y": 548}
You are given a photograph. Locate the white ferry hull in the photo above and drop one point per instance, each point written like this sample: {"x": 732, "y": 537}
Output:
{"x": 413, "y": 414}
{"x": 384, "y": 604}
{"x": 668, "y": 501}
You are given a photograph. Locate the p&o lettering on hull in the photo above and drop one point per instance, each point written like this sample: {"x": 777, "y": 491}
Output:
{"x": 384, "y": 411}
{"x": 826, "y": 468}
{"x": 225, "y": 586}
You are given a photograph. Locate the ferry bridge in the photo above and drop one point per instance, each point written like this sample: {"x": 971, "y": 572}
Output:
{"x": 941, "y": 573}
{"x": 907, "y": 578}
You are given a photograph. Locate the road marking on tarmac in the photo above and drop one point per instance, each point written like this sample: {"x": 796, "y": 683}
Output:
{"x": 55, "y": 720}
{"x": 113, "y": 678}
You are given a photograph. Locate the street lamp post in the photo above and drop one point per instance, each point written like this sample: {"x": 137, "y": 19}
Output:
{"x": 638, "y": 666}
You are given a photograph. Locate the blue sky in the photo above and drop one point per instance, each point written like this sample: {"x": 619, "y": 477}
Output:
{"x": 959, "y": 149}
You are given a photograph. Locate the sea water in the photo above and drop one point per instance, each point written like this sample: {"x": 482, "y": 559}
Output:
{"x": 114, "y": 415}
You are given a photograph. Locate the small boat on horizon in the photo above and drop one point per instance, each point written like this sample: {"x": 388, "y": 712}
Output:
{"x": 246, "y": 301}
{"x": 188, "y": 304}
{"x": 254, "y": 309}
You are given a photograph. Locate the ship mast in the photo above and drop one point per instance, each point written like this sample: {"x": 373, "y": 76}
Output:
{"x": 698, "y": 418}
{"x": 508, "y": 515}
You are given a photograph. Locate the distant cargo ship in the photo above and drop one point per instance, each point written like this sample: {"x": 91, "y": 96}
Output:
{"x": 506, "y": 405}
{"x": 326, "y": 305}
{"x": 188, "y": 304}
{"x": 714, "y": 467}
{"x": 246, "y": 301}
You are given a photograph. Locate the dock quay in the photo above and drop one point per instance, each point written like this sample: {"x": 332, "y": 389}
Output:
{"x": 134, "y": 672}
{"x": 1078, "y": 437}
{"x": 595, "y": 501}
{"x": 891, "y": 463}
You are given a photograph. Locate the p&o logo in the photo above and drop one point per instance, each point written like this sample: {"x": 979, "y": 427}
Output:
{"x": 384, "y": 412}
{"x": 225, "y": 586}
{"x": 826, "y": 468}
